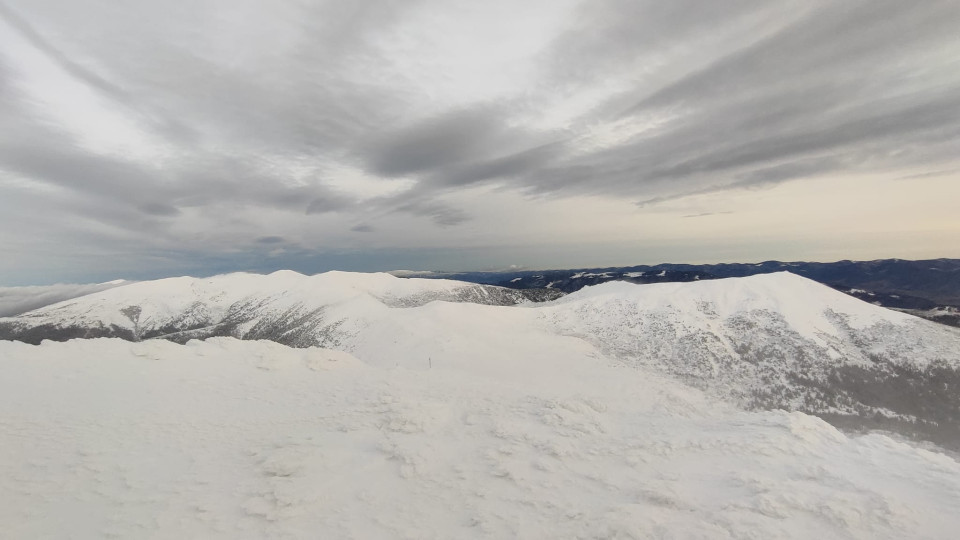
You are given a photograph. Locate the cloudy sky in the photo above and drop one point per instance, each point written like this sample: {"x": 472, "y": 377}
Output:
{"x": 151, "y": 138}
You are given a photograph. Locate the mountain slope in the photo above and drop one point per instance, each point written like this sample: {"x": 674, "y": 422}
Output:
{"x": 763, "y": 342}
{"x": 235, "y": 440}
{"x": 285, "y": 306}
{"x": 929, "y": 288}
{"x": 781, "y": 341}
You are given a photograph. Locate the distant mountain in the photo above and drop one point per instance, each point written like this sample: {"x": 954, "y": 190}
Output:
{"x": 773, "y": 341}
{"x": 286, "y": 307}
{"x": 929, "y": 289}
{"x": 781, "y": 341}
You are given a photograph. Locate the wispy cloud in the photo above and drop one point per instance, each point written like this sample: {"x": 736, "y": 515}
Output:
{"x": 705, "y": 214}
{"x": 147, "y": 127}
{"x": 17, "y": 300}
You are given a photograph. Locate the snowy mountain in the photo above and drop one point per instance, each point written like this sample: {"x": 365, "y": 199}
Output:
{"x": 441, "y": 409}
{"x": 781, "y": 341}
{"x": 284, "y": 306}
{"x": 773, "y": 341}
{"x": 926, "y": 288}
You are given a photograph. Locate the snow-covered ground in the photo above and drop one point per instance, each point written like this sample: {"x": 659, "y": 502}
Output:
{"x": 619, "y": 411}
{"x": 538, "y": 437}
{"x": 767, "y": 341}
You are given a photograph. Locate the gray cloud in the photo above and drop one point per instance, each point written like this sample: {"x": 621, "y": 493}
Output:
{"x": 17, "y": 300}
{"x": 27, "y": 30}
{"x": 929, "y": 174}
{"x": 247, "y": 114}
{"x": 829, "y": 92}
{"x": 509, "y": 166}
{"x": 705, "y": 214}
{"x": 329, "y": 203}
{"x": 452, "y": 138}
{"x": 441, "y": 214}
{"x": 159, "y": 209}
{"x": 270, "y": 240}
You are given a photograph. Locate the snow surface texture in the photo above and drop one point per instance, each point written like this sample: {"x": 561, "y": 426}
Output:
{"x": 542, "y": 438}
{"x": 763, "y": 342}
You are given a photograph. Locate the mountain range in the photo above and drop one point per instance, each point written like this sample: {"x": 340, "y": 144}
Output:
{"x": 768, "y": 341}
{"x": 926, "y": 288}
{"x": 345, "y": 405}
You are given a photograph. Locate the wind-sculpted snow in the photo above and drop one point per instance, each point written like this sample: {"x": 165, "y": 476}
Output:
{"x": 775, "y": 341}
{"x": 546, "y": 438}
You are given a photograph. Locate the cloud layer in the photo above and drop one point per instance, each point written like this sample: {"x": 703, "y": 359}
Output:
{"x": 17, "y": 300}
{"x": 171, "y": 133}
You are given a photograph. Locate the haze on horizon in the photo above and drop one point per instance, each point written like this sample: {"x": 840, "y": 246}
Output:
{"x": 145, "y": 139}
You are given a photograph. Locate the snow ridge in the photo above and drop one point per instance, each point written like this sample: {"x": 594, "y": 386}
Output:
{"x": 284, "y": 306}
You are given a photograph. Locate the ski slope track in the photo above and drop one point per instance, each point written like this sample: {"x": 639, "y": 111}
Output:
{"x": 413, "y": 408}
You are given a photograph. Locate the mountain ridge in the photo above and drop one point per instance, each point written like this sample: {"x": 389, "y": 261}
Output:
{"x": 763, "y": 342}
{"x": 925, "y": 288}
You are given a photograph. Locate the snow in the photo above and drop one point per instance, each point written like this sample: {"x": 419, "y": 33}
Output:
{"x": 803, "y": 303}
{"x": 413, "y": 273}
{"x": 183, "y": 299}
{"x": 755, "y": 340}
{"x": 516, "y": 279}
{"x": 634, "y": 274}
{"x": 777, "y": 340}
{"x": 533, "y": 436}
{"x": 745, "y": 340}
{"x": 444, "y": 419}
{"x": 579, "y": 275}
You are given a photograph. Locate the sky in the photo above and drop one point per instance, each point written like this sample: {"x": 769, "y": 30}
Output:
{"x": 144, "y": 139}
